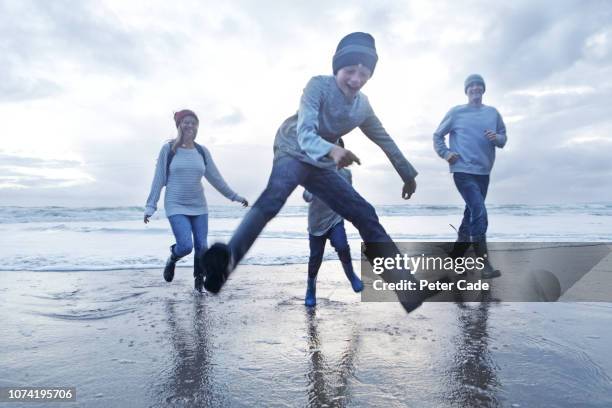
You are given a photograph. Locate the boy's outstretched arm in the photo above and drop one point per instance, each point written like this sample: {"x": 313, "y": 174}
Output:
{"x": 374, "y": 130}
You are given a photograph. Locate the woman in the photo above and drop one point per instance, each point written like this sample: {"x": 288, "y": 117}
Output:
{"x": 180, "y": 167}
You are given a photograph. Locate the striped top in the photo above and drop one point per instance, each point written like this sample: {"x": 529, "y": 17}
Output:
{"x": 184, "y": 190}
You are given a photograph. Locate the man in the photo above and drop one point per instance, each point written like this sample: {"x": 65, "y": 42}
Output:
{"x": 475, "y": 131}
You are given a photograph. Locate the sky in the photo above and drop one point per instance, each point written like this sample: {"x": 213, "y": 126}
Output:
{"x": 89, "y": 88}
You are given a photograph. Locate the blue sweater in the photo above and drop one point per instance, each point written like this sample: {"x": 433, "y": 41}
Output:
{"x": 466, "y": 125}
{"x": 324, "y": 116}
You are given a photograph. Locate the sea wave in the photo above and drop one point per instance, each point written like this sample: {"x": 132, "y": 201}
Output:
{"x": 13, "y": 214}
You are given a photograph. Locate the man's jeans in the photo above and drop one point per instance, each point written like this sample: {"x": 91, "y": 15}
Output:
{"x": 338, "y": 240}
{"x": 326, "y": 184}
{"x": 473, "y": 188}
{"x": 183, "y": 227}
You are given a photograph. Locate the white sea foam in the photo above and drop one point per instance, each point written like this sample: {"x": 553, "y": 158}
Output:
{"x": 72, "y": 239}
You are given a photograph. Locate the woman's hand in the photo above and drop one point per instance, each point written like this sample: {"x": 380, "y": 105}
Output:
{"x": 146, "y": 219}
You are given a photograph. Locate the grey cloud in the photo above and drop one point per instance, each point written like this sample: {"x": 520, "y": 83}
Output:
{"x": 30, "y": 181}
{"x": 12, "y": 160}
{"x": 234, "y": 118}
{"x": 41, "y": 36}
{"x": 14, "y": 88}
{"x": 533, "y": 41}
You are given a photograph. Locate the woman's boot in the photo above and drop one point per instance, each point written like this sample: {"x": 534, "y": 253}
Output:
{"x": 198, "y": 273}
{"x": 170, "y": 264}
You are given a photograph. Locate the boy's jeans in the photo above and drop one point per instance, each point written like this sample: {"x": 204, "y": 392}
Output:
{"x": 326, "y": 184}
{"x": 183, "y": 227}
{"x": 338, "y": 240}
{"x": 473, "y": 188}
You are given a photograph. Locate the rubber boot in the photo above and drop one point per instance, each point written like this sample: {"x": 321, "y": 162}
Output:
{"x": 217, "y": 262}
{"x": 198, "y": 273}
{"x": 459, "y": 249}
{"x": 356, "y": 283}
{"x": 311, "y": 292}
{"x": 488, "y": 272}
{"x": 170, "y": 264}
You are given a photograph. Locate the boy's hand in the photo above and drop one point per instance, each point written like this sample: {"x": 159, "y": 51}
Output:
{"x": 307, "y": 196}
{"x": 452, "y": 158}
{"x": 343, "y": 157}
{"x": 409, "y": 189}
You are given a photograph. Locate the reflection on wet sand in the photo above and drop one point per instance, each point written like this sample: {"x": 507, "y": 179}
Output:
{"x": 328, "y": 384}
{"x": 473, "y": 373}
{"x": 190, "y": 381}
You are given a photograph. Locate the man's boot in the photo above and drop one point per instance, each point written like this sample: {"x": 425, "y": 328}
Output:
{"x": 459, "y": 249}
{"x": 488, "y": 272}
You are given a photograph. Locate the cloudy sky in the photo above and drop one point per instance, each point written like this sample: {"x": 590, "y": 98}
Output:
{"x": 88, "y": 89}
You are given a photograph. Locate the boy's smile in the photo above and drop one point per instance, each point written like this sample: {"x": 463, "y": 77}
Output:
{"x": 352, "y": 78}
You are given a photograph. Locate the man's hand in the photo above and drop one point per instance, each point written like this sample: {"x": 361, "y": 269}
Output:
{"x": 343, "y": 157}
{"x": 244, "y": 202}
{"x": 409, "y": 189}
{"x": 146, "y": 219}
{"x": 452, "y": 158}
{"x": 491, "y": 135}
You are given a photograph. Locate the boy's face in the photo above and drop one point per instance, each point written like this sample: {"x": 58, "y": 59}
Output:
{"x": 352, "y": 78}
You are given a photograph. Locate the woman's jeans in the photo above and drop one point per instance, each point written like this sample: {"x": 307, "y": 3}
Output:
{"x": 338, "y": 240}
{"x": 473, "y": 188}
{"x": 326, "y": 184}
{"x": 183, "y": 227}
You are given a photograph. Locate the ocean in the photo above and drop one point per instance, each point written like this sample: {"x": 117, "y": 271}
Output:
{"x": 109, "y": 238}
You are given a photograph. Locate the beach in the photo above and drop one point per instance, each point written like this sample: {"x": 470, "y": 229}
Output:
{"x": 83, "y": 304}
{"x": 127, "y": 338}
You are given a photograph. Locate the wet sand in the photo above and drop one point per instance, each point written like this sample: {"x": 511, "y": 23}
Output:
{"x": 126, "y": 338}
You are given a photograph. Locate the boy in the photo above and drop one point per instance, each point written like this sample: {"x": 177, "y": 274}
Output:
{"x": 324, "y": 224}
{"x": 305, "y": 154}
